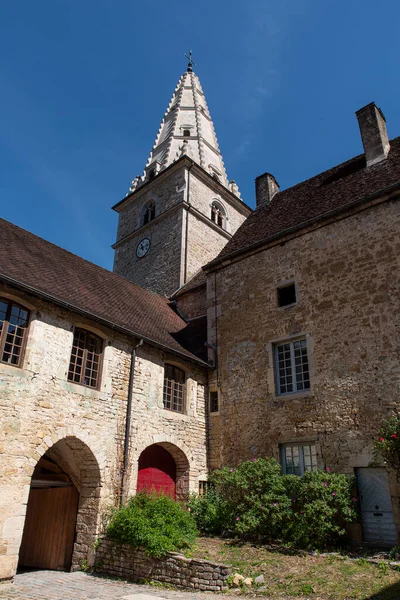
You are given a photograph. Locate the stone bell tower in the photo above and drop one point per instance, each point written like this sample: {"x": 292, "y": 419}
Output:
{"x": 180, "y": 213}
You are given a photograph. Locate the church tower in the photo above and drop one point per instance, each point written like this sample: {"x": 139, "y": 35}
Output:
{"x": 182, "y": 211}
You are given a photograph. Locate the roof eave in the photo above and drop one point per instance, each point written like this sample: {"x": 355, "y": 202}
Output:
{"x": 130, "y": 333}
{"x": 219, "y": 262}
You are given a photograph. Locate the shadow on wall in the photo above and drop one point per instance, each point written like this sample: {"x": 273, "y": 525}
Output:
{"x": 389, "y": 593}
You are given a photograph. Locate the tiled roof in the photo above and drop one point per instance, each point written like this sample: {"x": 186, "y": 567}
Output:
{"x": 315, "y": 197}
{"x": 32, "y": 263}
{"x": 198, "y": 280}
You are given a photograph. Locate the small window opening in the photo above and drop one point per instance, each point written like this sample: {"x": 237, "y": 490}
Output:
{"x": 151, "y": 174}
{"x": 186, "y": 132}
{"x": 204, "y": 487}
{"x": 214, "y": 406}
{"x": 287, "y": 295}
{"x": 217, "y": 216}
{"x": 150, "y": 213}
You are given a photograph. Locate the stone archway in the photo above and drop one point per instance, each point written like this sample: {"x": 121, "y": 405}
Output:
{"x": 164, "y": 467}
{"x": 62, "y": 511}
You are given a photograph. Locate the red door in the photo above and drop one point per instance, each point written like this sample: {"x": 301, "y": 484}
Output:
{"x": 157, "y": 471}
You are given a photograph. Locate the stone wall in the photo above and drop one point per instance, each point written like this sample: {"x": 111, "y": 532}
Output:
{"x": 82, "y": 429}
{"x": 121, "y": 560}
{"x": 346, "y": 274}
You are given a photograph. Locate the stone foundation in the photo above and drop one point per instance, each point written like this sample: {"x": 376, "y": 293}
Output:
{"x": 133, "y": 564}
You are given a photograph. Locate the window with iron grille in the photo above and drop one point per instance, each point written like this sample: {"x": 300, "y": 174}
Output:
{"x": 174, "y": 383}
{"x": 214, "y": 407}
{"x": 297, "y": 459}
{"x": 291, "y": 364}
{"x": 13, "y": 327}
{"x": 84, "y": 366}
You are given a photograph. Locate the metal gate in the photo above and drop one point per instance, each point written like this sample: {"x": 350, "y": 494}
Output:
{"x": 376, "y": 507}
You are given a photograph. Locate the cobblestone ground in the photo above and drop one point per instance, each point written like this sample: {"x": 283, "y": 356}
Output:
{"x": 55, "y": 585}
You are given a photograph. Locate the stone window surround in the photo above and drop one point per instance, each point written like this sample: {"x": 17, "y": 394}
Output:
{"x": 271, "y": 370}
{"x": 214, "y": 412}
{"x": 4, "y": 333}
{"x": 85, "y": 360}
{"x": 300, "y": 445}
{"x": 101, "y": 370}
{"x": 182, "y": 412}
{"x": 283, "y": 284}
{"x": 217, "y": 203}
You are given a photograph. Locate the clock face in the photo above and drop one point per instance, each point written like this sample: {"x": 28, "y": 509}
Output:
{"x": 143, "y": 247}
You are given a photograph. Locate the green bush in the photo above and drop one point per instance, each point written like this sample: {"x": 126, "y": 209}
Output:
{"x": 209, "y": 512}
{"x": 387, "y": 443}
{"x": 154, "y": 522}
{"x": 255, "y": 501}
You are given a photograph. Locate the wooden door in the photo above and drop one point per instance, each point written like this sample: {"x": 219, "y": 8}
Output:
{"x": 376, "y": 507}
{"x": 157, "y": 471}
{"x": 49, "y": 530}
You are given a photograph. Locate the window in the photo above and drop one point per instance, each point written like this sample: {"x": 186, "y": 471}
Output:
{"x": 292, "y": 371}
{"x": 286, "y": 295}
{"x": 214, "y": 407}
{"x": 204, "y": 487}
{"x": 152, "y": 174}
{"x": 296, "y": 460}
{"x": 13, "y": 326}
{"x": 149, "y": 213}
{"x": 186, "y": 132}
{"x": 84, "y": 365}
{"x": 217, "y": 214}
{"x": 174, "y": 382}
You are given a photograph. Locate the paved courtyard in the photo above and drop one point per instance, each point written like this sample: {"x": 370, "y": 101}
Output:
{"x": 56, "y": 585}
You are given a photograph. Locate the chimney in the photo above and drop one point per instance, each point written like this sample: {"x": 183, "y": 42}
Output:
{"x": 374, "y": 135}
{"x": 266, "y": 188}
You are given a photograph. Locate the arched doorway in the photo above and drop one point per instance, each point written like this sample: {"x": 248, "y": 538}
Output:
{"x": 164, "y": 468}
{"x": 157, "y": 471}
{"x": 62, "y": 511}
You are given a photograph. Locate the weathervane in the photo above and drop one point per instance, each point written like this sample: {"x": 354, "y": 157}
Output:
{"x": 191, "y": 62}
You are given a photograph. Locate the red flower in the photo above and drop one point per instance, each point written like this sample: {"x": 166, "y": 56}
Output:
{"x": 381, "y": 439}
{"x": 394, "y": 436}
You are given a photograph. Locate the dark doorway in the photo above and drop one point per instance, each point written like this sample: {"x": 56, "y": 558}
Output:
{"x": 49, "y": 530}
{"x": 157, "y": 471}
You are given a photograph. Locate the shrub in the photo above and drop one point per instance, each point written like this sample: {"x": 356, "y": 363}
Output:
{"x": 322, "y": 502}
{"x": 387, "y": 443}
{"x": 256, "y": 501}
{"x": 154, "y": 522}
{"x": 209, "y": 512}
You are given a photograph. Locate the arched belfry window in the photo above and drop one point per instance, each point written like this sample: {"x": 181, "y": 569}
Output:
{"x": 149, "y": 213}
{"x": 218, "y": 215}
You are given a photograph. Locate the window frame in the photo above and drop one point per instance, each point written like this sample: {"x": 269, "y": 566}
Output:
{"x": 174, "y": 383}
{"x": 218, "y": 213}
{"x": 300, "y": 446}
{"x": 291, "y": 343}
{"x": 149, "y": 213}
{"x": 87, "y": 332}
{"x": 213, "y": 412}
{"x": 4, "y": 331}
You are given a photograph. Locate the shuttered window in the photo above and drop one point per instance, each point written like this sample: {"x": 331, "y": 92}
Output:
{"x": 84, "y": 366}
{"x": 13, "y": 328}
{"x": 174, "y": 383}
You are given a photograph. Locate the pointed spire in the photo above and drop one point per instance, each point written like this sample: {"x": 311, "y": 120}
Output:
{"x": 186, "y": 129}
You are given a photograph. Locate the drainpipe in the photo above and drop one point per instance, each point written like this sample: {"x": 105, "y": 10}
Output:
{"x": 128, "y": 422}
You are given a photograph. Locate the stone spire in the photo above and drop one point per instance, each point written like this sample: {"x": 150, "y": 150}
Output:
{"x": 186, "y": 129}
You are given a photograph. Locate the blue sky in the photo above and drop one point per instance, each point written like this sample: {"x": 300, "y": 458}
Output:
{"x": 84, "y": 85}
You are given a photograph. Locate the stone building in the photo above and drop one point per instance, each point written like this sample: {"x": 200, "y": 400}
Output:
{"x": 223, "y": 333}
{"x": 303, "y": 306}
